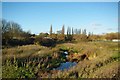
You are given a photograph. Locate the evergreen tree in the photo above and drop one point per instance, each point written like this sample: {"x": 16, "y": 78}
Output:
{"x": 63, "y": 30}
{"x": 72, "y": 32}
{"x": 84, "y": 32}
{"x": 69, "y": 31}
{"x": 79, "y": 31}
{"x": 89, "y": 34}
{"x": 69, "y": 37}
{"x": 51, "y": 30}
{"x": 75, "y": 31}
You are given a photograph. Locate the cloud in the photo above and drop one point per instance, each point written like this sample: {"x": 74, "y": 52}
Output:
{"x": 110, "y": 29}
{"x": 96, "y": 24}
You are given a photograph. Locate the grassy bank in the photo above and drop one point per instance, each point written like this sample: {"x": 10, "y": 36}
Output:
{"x": 37, "y": 61}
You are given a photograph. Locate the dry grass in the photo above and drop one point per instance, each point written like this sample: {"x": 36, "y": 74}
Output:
{"x": 101, "y": 55}
{"x": 104, "y": 51}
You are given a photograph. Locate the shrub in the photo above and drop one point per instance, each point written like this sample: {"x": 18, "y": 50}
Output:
{"x": 45, "y": 41}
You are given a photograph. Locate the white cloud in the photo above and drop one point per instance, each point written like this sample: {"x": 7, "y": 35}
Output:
{"x": 110, "y": 29}
{"x": 96, "y": 24}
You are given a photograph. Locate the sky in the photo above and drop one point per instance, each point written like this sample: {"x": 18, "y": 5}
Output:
{"x": 60, "y": 0}
{"x": 96, "y": 17}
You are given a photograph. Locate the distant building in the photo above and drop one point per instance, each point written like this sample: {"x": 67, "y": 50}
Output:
{"x": 47, "y": 37}
{"x": 116, "y": 40}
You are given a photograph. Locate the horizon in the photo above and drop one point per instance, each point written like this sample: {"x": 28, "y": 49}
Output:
{"x": 96, "y": 17}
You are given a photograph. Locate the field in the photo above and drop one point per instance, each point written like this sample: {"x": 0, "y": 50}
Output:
{"x": 94, "y": 60}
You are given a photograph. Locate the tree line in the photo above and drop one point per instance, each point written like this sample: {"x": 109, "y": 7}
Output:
{"x": 13, "y": 34}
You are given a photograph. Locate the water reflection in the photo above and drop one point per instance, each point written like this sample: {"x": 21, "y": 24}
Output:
{"x": 66, "y": 65}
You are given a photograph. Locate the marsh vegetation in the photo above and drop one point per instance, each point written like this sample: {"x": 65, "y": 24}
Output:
{"x": 33, "y": 61}
{"x": 71, "y": 55}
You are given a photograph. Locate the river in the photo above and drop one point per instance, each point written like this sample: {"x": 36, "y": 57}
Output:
{"x": 67, "y": 64}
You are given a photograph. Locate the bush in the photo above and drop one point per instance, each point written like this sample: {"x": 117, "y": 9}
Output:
{"x": 46, "y": 41}
{"x": 20, "y": 42}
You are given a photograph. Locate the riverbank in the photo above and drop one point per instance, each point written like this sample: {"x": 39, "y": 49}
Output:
{"x": 34, "y": 61}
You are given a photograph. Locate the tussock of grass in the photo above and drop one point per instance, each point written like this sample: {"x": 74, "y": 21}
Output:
{"x": 36, "y": 61}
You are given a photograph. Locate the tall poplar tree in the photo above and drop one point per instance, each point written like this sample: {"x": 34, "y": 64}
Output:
{"x": 51, "y": 30}
{"x": 63, "y": 30}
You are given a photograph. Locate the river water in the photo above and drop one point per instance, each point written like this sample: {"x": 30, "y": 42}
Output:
{"x": 66, "y": 65}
